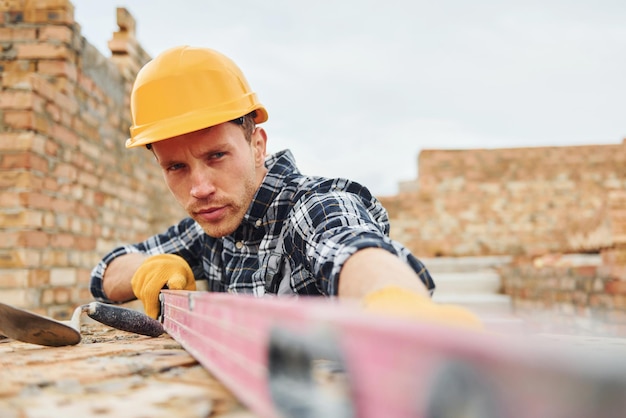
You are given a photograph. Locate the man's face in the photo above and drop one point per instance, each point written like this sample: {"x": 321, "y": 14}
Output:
{"x": 214, "y": 173}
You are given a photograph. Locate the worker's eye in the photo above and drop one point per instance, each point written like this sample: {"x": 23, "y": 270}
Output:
{"x": 217, "y": 155}
{"x": 174, "y": 167}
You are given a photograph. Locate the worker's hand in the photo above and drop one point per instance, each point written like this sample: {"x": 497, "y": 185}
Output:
{"x": 398, "y": 302}
{"x": 157, "y": 272}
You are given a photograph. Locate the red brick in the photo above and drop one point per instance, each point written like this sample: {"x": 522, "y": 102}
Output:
{"x": 82, "y": 295}
{"x": 99, "y": 198}
{"x": 58, "y": 68}
{"x": 51, "y": 184}
{"x": 35, "y": 200}
{"x": 64, "y": 135}
{"x": 57, "y": 33}
{"x": 85, "y": 243}
{"x": 19, "y": 80}
{"x": 14, "y": 179}
{"x": 26, "y": 119}
{"x": 17, "y": 67}
{"x": 586, "y": 271}
{"x": 88, "y": 179}
{"x": 12, "y": 258}
{"x": 16, "y": 99}
{"x": 20, "y": 141}
{"x": 24, "y": 160}
{"x": 49, "y": 16}
{"x": 54, "y": 257}
{"x": 63, "y": 240}
{"x": 63, "y": 206}
{"x": 38, "y": 278}
{"x": 51, "y": 148}
{"x": 43, "y": 51}
{"x": 90, "y": 149}
{"x": 34, "y": 239}
{"x": 617, "y": 272}
{"x": 23, "y": 119}
{"x": 43, "y": 87}
{"x": 615, "y": 287}
{"x": 11, "y": 5}
{"x": 88, "y": 212}
{"x": 65, "y": 172}
{"x": 13, "y": 278}
{"x": 614, "y": 256}
{"x": 84, "y": 276}
{"x": 68, "y": 103}
{"x": 24, "y": 219}
{"x": 9, "y": 200}
{"x": 53, "y": 111}
{"x": 10, "y": 34}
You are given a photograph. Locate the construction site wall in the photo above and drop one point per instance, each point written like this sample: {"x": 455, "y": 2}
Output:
{"x": 539, "y": 205}
{"x": 69, "y": 190}
{"x": 517, "y": 201}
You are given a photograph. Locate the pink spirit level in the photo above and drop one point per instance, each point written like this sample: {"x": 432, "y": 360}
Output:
{"x": 314, "y": 357}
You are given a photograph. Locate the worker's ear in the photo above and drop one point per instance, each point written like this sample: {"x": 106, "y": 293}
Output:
{"x": 258, "y": 143}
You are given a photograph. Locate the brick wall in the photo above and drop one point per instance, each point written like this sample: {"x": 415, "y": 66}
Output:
{"x": 568, "y": 293}
{"x": 542, "y": 205}
{"x": 508, "y": 201}
{"x": 69, "y": 190}
{"x": 554, "y": 294}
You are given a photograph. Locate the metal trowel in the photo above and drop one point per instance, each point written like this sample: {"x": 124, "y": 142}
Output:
{"x": 29, "y": 327}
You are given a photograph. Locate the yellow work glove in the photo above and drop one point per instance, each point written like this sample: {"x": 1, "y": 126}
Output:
{"x": 398, "y": 302}
{"x": 155, "y": 273}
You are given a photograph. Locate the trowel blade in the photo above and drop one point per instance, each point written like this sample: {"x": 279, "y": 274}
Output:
{"x": 29, "y": 327}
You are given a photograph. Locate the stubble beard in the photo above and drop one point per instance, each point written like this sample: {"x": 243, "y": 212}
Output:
{"x": 237, "y": 209}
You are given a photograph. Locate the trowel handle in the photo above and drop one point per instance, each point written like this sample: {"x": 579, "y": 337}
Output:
{"x": 124, "y": 319}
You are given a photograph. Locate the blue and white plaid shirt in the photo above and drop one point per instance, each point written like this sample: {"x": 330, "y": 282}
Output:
{"x": 294, "y": 238}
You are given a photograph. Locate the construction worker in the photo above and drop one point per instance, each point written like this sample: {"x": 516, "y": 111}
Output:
{"x": 256, "y": 225}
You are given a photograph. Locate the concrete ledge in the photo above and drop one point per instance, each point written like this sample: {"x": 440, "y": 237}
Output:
{"x": 484, "y": 281}
{"x": 461, "y": 264}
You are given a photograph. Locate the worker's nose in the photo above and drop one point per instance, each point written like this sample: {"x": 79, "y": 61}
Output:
{"x": 202, "y": 184}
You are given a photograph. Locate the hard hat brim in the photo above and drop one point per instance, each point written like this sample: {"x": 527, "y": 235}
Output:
{"x": 191, "y": 122}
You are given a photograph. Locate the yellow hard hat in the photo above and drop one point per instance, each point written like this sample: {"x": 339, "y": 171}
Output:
{"x": 185, "y": 89}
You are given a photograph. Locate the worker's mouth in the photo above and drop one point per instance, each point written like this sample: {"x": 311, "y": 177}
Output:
{"x": 210, "y": 214}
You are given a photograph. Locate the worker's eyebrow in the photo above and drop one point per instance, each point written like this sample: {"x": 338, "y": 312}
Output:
{"x": 168, "y": 162}
{"x": 214, "y": 147}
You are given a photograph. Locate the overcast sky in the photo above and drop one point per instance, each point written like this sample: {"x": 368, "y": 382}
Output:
{"x": 357, "y": 88}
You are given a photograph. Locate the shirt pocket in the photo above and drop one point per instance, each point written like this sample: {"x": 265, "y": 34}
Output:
{"x": 275, "y": 273}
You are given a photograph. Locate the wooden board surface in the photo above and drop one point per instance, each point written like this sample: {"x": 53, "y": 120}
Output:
{"x": 110, "y": 373}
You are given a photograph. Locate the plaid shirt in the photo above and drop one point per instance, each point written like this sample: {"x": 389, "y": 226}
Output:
{"x": 294, "y": 238}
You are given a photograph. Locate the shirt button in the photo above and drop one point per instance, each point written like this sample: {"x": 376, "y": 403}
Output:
{"x": 258, "y": 222}
{"x": 239, "y": 245}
